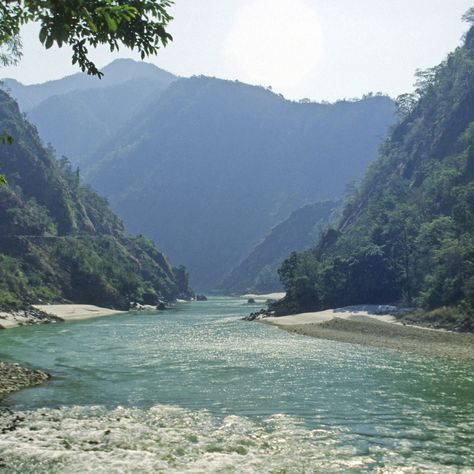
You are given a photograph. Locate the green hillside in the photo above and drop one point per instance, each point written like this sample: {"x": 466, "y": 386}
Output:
{"x": 257, "y": 273}
{"x": 407, "y": 234}
{"x": 222, "y": 162}
{"x": 59, "y": 241}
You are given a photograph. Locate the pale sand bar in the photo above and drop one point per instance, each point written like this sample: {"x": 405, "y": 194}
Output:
{"x": 329, "y": 314}
{"x": 61, "y": 312}
{"x": 368, "y": 329}
{"x": 76, "y": 312}
{"x": 265, "y": 297}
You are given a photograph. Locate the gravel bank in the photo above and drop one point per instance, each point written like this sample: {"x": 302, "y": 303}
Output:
{"x": 367, "y": 331}
{"x": 14, "y": 377}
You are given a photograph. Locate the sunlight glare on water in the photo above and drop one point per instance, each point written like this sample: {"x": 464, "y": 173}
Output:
{"x": 196, "y": 389}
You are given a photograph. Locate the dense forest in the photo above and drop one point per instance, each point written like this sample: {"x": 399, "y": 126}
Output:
{"x": 407, "y": 234}
{"x": 60, "y": 242}
{"x": 212, "y": 166}
{"x": 258, "y": 272}
{"x": 204, "y": 167}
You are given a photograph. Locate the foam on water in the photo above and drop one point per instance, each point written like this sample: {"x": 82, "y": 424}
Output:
{"x": 174, "y": 440}
{"x": 198, "y": 390}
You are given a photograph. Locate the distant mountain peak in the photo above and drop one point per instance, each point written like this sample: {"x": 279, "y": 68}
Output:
{"x": 117, "y": 72}
{"x": 126, "y": 68}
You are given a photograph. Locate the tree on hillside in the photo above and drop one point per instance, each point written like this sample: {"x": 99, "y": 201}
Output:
{"x": 81, "y": 24}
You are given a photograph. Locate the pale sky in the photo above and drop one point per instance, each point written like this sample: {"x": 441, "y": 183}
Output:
{"x": 319, "y": 49}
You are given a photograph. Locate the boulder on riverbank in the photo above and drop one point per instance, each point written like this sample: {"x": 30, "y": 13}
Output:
{"x": 258, "y": 315}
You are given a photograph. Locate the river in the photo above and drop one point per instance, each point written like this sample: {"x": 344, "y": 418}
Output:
{"x": 195, "y": 389}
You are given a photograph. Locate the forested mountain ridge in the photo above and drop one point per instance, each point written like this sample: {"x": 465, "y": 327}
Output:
{"x": 78, "y": 113}
{"x": 59, "y": 241}
{"x": 211, "y": 166}
{"x": 117, "y": 72}
{"x": 407, "y": 234}
{"x": 257, "y": 273}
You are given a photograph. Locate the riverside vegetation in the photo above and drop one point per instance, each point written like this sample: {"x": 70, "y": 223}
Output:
{"x": 407, "y": 233}
{"x": 60, "y": 242}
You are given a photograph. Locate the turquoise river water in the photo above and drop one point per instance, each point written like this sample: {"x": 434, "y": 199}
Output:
{"x": 195, "y": 389}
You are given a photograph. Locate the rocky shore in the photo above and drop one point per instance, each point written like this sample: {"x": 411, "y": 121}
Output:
{"x": 25, "y": 316}
{"x": 14, "y": 377}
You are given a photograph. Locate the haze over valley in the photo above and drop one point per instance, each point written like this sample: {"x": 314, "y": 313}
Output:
{"x": 202, "y": 166}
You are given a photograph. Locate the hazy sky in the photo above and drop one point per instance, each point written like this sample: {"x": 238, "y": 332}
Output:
{"x": 320, "y": 49}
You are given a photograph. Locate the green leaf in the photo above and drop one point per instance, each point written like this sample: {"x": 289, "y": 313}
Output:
{"x": 111, "y": 23}
{"x": 43, "y": 34}
{"x": 49, "y": 42}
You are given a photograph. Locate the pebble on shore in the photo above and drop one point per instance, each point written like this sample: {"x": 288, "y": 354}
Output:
{"x": 14, "y": 377}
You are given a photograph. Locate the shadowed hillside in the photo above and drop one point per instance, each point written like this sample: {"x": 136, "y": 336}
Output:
{"x": 213, "y": 165}
{"x": 257, "y": 273}
{"x": 59, "y": 241}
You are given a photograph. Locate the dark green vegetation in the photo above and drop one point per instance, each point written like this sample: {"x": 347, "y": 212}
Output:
{"x": 59, "y": 241}
{"x": 81, "y": 24}
{"x": 407, "y": 234}
{"x": 258, "y": 273}
{"x": 441, "y": 318}
{"x": 204, "y": 167}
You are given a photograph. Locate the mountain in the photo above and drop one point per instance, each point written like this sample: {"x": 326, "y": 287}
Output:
{"x": 117, "y": 72}
{"x": 78, "y": 113}
{"x": 257, "y": 273}
{"x": 59, "y": 241}
{"x": 407, "y": 234}
{"x": 211, "y": 166}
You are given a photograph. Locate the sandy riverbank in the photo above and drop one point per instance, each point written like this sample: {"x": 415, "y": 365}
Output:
{"x": 264, "y": 297}
{"x": 76, "y": 312}
{"x": 366, "y": 328}
{"x": 39, "y": 314}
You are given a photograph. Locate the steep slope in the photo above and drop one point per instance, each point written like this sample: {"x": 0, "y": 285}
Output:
{"x": 118, "y": 72}
{"x": 213, "y": 165}
{"x": 78, "y": 113}
{"x": 59, "y": 241}
{"x": 408, "y": 232}
{"x": 79, "y": 121}
{"x": 258, "y": 271}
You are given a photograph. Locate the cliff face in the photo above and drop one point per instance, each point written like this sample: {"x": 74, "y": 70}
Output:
{"x": 59, "y": 241}
{"x": 407, "y": 234}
